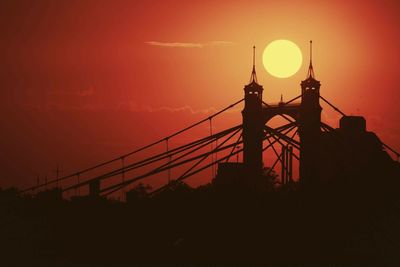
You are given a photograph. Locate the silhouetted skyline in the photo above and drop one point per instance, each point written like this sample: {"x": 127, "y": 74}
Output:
{"x": 132, "y": 135}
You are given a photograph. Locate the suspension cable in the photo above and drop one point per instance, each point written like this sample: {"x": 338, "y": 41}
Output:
{"x": 77, "y": 190}
{"x": 196, "y": 164}
{"x": 158, "y": 170}
{"x": 289, "y": 140}
{"x": 211, "y": 149}
{"x": 161, "y": 156}
{"x": 223, "y": 158}
{"x": 291, "y": 100}
{"x": 334, "y": 107}
{"x": 273, "y": 148}
{"x": 132, "y": 152}
{"x": 233, "y": 152}
{"x": 200, "y": 147}
{"x": 123, "y": 173}
{"x": 272, "y": 144}
{"x": 169, "y": 159}
{"x": 233, "y": 148}
{"x": 391, "y": 149}
{"x": 216, "y": 148}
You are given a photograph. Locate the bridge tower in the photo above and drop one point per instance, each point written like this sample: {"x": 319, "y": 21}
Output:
{"x": 253, "y": 124}
{"x": 309, "y": 127}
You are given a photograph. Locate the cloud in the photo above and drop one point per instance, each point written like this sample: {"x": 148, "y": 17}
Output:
{"x": 189, "y": 45}
{"x": 144, "y": 108}
{"x": 126, "y": 106}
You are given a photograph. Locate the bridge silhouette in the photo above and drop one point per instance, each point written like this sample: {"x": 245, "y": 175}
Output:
{"x": 342, "y": 208}
{"x": 300, "y": 139}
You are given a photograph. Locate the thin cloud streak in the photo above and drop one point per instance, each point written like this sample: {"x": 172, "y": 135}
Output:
{"x": 144, "y": 108}
{"x": 189, "y": 45}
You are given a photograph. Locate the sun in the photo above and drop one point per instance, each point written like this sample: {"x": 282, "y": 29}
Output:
{"x": 282, "y": 58}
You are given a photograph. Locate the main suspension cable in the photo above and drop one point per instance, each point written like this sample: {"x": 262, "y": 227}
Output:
{"x": 132, "y": 152}
{"x": 156, "y": 158}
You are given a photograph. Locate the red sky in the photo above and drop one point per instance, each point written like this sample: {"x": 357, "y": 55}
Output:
{"x": 84, "y": 81}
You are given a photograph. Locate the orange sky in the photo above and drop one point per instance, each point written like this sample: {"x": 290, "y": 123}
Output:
{"x": 84, "y": 81}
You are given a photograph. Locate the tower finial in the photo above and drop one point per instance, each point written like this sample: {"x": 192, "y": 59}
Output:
{"x": 254, "y": 57}
{"x": 253, "y": 77}
{"x": 310, "y": 68}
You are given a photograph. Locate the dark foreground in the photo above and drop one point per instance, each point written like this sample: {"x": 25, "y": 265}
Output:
{"x": 336, "y": 227}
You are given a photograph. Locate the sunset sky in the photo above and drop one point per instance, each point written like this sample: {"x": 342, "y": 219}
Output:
{"x": 85, "y": 81}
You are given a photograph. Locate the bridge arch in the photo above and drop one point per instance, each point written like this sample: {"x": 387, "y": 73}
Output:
{"x": 269, "y": 112}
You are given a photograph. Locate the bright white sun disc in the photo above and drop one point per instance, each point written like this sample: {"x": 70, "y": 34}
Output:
{"x": 282, "y": 58}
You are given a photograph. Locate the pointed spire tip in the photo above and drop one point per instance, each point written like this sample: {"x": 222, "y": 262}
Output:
{"x": 254, "y": 56}
{"x": 253, "y": 77}
{"x": 310, "y": 68}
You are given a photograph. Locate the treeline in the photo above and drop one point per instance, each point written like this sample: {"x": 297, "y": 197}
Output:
{"x": 347, "y": 223}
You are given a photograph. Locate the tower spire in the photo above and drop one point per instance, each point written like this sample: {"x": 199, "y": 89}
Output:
{"x": 310, "y": 68}
{"x": 254, "y": 57}
{"x": 253, "y": 77}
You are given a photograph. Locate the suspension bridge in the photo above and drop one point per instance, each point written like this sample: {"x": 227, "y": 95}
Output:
{"x": 300, "y": 139}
